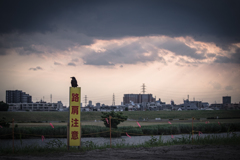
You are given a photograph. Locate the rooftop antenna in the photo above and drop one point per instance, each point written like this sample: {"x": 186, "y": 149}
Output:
{"x": 143, "y": 88}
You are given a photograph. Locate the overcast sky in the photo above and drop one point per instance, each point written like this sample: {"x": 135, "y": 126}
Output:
{"x": 177, "y": 48}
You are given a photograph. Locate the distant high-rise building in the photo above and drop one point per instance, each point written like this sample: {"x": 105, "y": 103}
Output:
{"x": 17, "y": 96}
{"x": 98, "y": 105}
{"x": 90, "y": 103}
{"x": 227, "y": 100}
{"x": 137, "y": 98}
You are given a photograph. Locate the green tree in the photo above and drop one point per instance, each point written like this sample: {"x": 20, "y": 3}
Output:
{"x": 3, "y": 106}
{"x": 117, "y": 118}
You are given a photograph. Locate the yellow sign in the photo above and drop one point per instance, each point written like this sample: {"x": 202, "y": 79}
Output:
{"x": 75, "y": 112}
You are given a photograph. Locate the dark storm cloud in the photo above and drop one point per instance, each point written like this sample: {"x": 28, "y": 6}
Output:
{"x": 29, "y": 50}
{"x": 35, "y": 69}
{"x": 211, "y": 21}
{"x": 38, "y": 27}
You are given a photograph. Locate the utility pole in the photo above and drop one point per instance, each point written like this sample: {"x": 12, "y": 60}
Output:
{"x": 143, "y": 88}
{"x": 113, "y": 100}
{"x": 85, "y": 100}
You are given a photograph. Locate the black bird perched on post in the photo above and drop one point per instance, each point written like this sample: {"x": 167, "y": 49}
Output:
{"x": 74, "y": 82}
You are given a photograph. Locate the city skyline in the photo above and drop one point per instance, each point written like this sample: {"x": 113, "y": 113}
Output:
{"x": 177, "y": 48}
{"x": 227, "y": 99}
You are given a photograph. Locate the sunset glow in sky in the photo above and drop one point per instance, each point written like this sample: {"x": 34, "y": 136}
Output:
{"x": 177, "y": 48}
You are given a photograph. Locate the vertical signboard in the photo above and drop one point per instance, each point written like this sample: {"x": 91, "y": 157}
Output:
{"x": 75, "y": 112}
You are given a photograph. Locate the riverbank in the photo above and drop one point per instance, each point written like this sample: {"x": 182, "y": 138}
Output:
{"x": 101, "y": 141}
{"x": 196, "y": 152}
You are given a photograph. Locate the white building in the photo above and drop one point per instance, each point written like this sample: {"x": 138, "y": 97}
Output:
{"x": 36, "y": 106}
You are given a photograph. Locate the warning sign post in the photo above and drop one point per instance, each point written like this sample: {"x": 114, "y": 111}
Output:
{"x": 74, "y": 135}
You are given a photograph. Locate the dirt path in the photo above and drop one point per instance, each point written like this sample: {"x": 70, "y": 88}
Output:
{"x": 185, "y": 152}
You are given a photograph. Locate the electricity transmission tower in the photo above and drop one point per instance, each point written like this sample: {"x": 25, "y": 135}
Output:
{"x": 143, "y": 88}
{"x": 113, "y": 100}
{"x": 85, "y": 100}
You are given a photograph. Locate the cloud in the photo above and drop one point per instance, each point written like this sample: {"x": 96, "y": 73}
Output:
{"x": 211, "y": 55}
{"x": 135, "y": 50}
{"x": 228, "y": 88}
{"x": 36, "y": 68}
{"x": 182, "y": 62}
{"x": 56, "y": 63}
{"x": 40, "y": 43}
{"x": 75, "y": 60}
{"x": 71, "y": 64}
{"x": 117, "y": 19}
{"x": 215, "y": 85}
{"x": 231, "y": 58}
{"x": 121, "y": 66}
{"x": 178, "y": 64}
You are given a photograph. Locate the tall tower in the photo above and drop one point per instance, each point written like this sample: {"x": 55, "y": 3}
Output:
{"x": 85, "y": 100}
{"x": 113, "y": 100}
{"x": 143, "y": 88}
{"x": 51, "y": 98}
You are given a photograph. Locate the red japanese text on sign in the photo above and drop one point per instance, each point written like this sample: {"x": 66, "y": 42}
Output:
{"x": 75, "y": 110}
{"x": 75, "y": 97}
{"x": 74, "y": 135}
{"x": 74, "y": 122}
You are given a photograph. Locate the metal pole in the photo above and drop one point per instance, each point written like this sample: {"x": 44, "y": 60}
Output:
{"x": 13, "y": 134}
{"x": 68, "y": 136}
{"x": 192, "y": 129}
{"x": 110, "y": 131}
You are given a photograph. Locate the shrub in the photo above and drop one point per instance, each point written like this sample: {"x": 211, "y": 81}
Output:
{"x": 117, "y": 118}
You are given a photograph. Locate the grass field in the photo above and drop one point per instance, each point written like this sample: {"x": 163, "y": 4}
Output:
{"x": 136, "y": 115}
{"x": 132, "y": 123}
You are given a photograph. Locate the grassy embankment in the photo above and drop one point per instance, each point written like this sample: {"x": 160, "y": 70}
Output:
{"x": 136, "y": 115}
{"x": 92, "y": 128}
